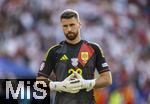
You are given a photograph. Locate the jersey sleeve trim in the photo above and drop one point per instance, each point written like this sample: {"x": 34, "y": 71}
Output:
{"x": 42, "y": 74}
{"x": 50, "y": 50}
{"x": 102, "y": 71}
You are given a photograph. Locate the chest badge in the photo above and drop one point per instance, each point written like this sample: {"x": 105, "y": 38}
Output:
{"x": 74, "y": 62}
{"x": 84, "y": 56}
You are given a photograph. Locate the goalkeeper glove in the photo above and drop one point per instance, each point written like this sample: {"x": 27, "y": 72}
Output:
{"x": 86, "y": 84}
{"x": 69, "y": 85}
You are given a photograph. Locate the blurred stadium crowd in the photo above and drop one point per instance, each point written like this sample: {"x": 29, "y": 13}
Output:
{"x": 121, "y": 27}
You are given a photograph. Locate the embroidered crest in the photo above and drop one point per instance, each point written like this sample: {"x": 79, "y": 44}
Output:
{"x": 74, "y": 61}
{"x": 84, "y": 56}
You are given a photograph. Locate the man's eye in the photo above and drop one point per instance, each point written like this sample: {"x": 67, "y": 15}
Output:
{"x": 65, "y": 26}
{"x": 71, "y": 25}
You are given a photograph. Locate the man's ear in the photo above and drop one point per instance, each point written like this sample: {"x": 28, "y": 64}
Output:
{"x": 80, "y": 24}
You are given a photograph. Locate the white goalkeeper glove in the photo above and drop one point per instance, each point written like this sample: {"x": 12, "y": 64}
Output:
{"x": 86, "y": 84}
{"x": 69, "y": 85}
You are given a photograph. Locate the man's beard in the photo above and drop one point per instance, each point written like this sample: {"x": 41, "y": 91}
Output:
{"x": 71, "y": 35}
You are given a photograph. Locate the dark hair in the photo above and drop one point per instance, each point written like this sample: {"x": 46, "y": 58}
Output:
{"x": 69, "y": 13}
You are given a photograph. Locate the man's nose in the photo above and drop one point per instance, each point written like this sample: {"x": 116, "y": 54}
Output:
{"x": 69, "y": 28}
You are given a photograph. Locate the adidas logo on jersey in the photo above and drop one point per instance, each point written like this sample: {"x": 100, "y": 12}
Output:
{"x": 64, "y": 57}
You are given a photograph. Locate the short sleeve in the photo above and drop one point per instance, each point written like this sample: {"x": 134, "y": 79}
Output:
{"x": 101, "y": 63}
{"x": 48, "y": 64}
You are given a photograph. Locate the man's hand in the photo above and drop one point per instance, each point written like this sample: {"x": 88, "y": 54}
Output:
{"x": 85, "y": 84}
{"x": 70, "y": 85}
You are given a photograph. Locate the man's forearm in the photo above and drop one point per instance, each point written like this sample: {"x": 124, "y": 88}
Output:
{"x": 104, "y": 80}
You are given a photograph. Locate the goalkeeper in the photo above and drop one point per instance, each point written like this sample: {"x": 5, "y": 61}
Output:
{"x": 74, "y": 62}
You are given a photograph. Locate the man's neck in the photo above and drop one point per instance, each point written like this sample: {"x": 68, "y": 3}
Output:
{"x": 77, "y": 40}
